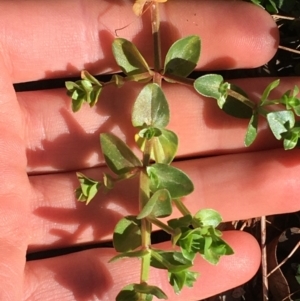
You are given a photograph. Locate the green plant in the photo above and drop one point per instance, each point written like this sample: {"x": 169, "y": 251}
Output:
{"x": 274, "y": 6}
{"x": 161, "y": 185}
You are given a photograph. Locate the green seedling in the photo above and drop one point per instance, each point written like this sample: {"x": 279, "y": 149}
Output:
{"x": 161, "y": 185}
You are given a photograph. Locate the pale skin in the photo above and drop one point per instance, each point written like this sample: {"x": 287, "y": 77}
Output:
{"x": 40, "y": 135}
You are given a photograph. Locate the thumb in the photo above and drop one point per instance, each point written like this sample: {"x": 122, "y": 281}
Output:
{"x": 14, "y": 191}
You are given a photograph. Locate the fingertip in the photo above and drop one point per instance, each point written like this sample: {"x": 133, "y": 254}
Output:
{"x": 261, "y": 35}
{"x": 234, "y": 34}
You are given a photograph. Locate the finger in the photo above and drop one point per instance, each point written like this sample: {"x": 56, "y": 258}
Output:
{"x": 88, "y": 275}
{"x": 63, "y": 37}
{"x": 58, "y": 139}
{"x": 254, "y": 184}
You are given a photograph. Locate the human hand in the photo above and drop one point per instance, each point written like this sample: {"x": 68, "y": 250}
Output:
{"x": 42, "y": 138}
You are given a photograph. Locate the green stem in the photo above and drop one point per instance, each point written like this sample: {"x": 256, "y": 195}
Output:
{"x": 179, "y": 79}
{"x": 241, "y": 98}
{"x": 263, "y": 111}
{"x": 181, "y": 207}
{"x": 272, "y": 102}
{"x": 145, "y": 226}
{"x": 160, "y": 259}
{"x": 161, "y": 225}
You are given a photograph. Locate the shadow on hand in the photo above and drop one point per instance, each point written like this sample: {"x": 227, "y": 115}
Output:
{"x": 88, "y": 224}
{"x": 83, "y": 274}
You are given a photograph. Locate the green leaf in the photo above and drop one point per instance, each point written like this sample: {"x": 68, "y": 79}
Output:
{"x": 290, "y": 141}
{"x": 118, "y": 156}
{"x": 168, "y": 260}
{"x": 180, "y": 279}
{"x": 183, "y": 56}
{"x": 128, "y": 57}
{"x": 88, "y": 188}
{"x": 208, "y": 217}
{"x": 152, "y": 290}
{"x": 159, "y": 205}
{"x": 76, "y": 93}
{"x": 128, "y": 294}
{"x": 191, "y": 242}
{"x": 214, "y": 249}
{"x": 90, "y": 78}
{"x": 148, "y": 133}
{"x": 134, "y": 254}
{"x": 209, "y": 85}
{"x": 164, "y": 144}
{"x": 181, "y": 222}
{"x": 235, "y": 107}
{"x": 151, "y": 108}
{"x": 127, "y": 234}
{"x": 86, "y": 90}
{"x": 251, "y": 133}
{"x": 291, "y": 137}
{"x": 212, "y": 85}
{"x": 268, "y": 90}
{"x": 133, "y": 291}
{"x": 163, "y": 176}
{"x": 165, "y": 147}
{"x": 252, "y": 130}
{"x": 280, "y": 122}
{"x": 291, "y": 101}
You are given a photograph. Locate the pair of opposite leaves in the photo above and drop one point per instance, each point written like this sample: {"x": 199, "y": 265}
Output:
{"x": 138, "y": 6}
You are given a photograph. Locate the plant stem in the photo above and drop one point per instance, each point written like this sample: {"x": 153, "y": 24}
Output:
{"x": 155, "y": 21}
{"x": 145, "y": 226}
{"x": 161, "y": 225}
{"x": 241, "y": 98}
{"x": 181, "y": 207}
{"x": 179, "y": 79}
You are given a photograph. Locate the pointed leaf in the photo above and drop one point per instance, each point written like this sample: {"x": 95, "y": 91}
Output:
{"x": 191, "y": 242}
{"x": 168, "y": 260}
{"x": 164, "y": 176}
{"x": 147, "y": 289}
{"x": 88, "y": 188}
{"x": 215, "y": 250}
{"x": 290, "y": 143}
{"x": 180, "y": 279}
{"x": 128, "y": 57}
{"x": 280, "y": 122}
{"x": 268, "y": 90}
{"x": 291, "y": 138}
{"x": 127, "y": 234}
{"x": 252, "y": 130}
{"x": 159, "y": 205}
{"x": 83, "y": 91}
{"x": 87, "y": 76}
{"x": 183, "y": 56}
{"x": 118, "y": 156}
{"x": 151, "y": 108}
